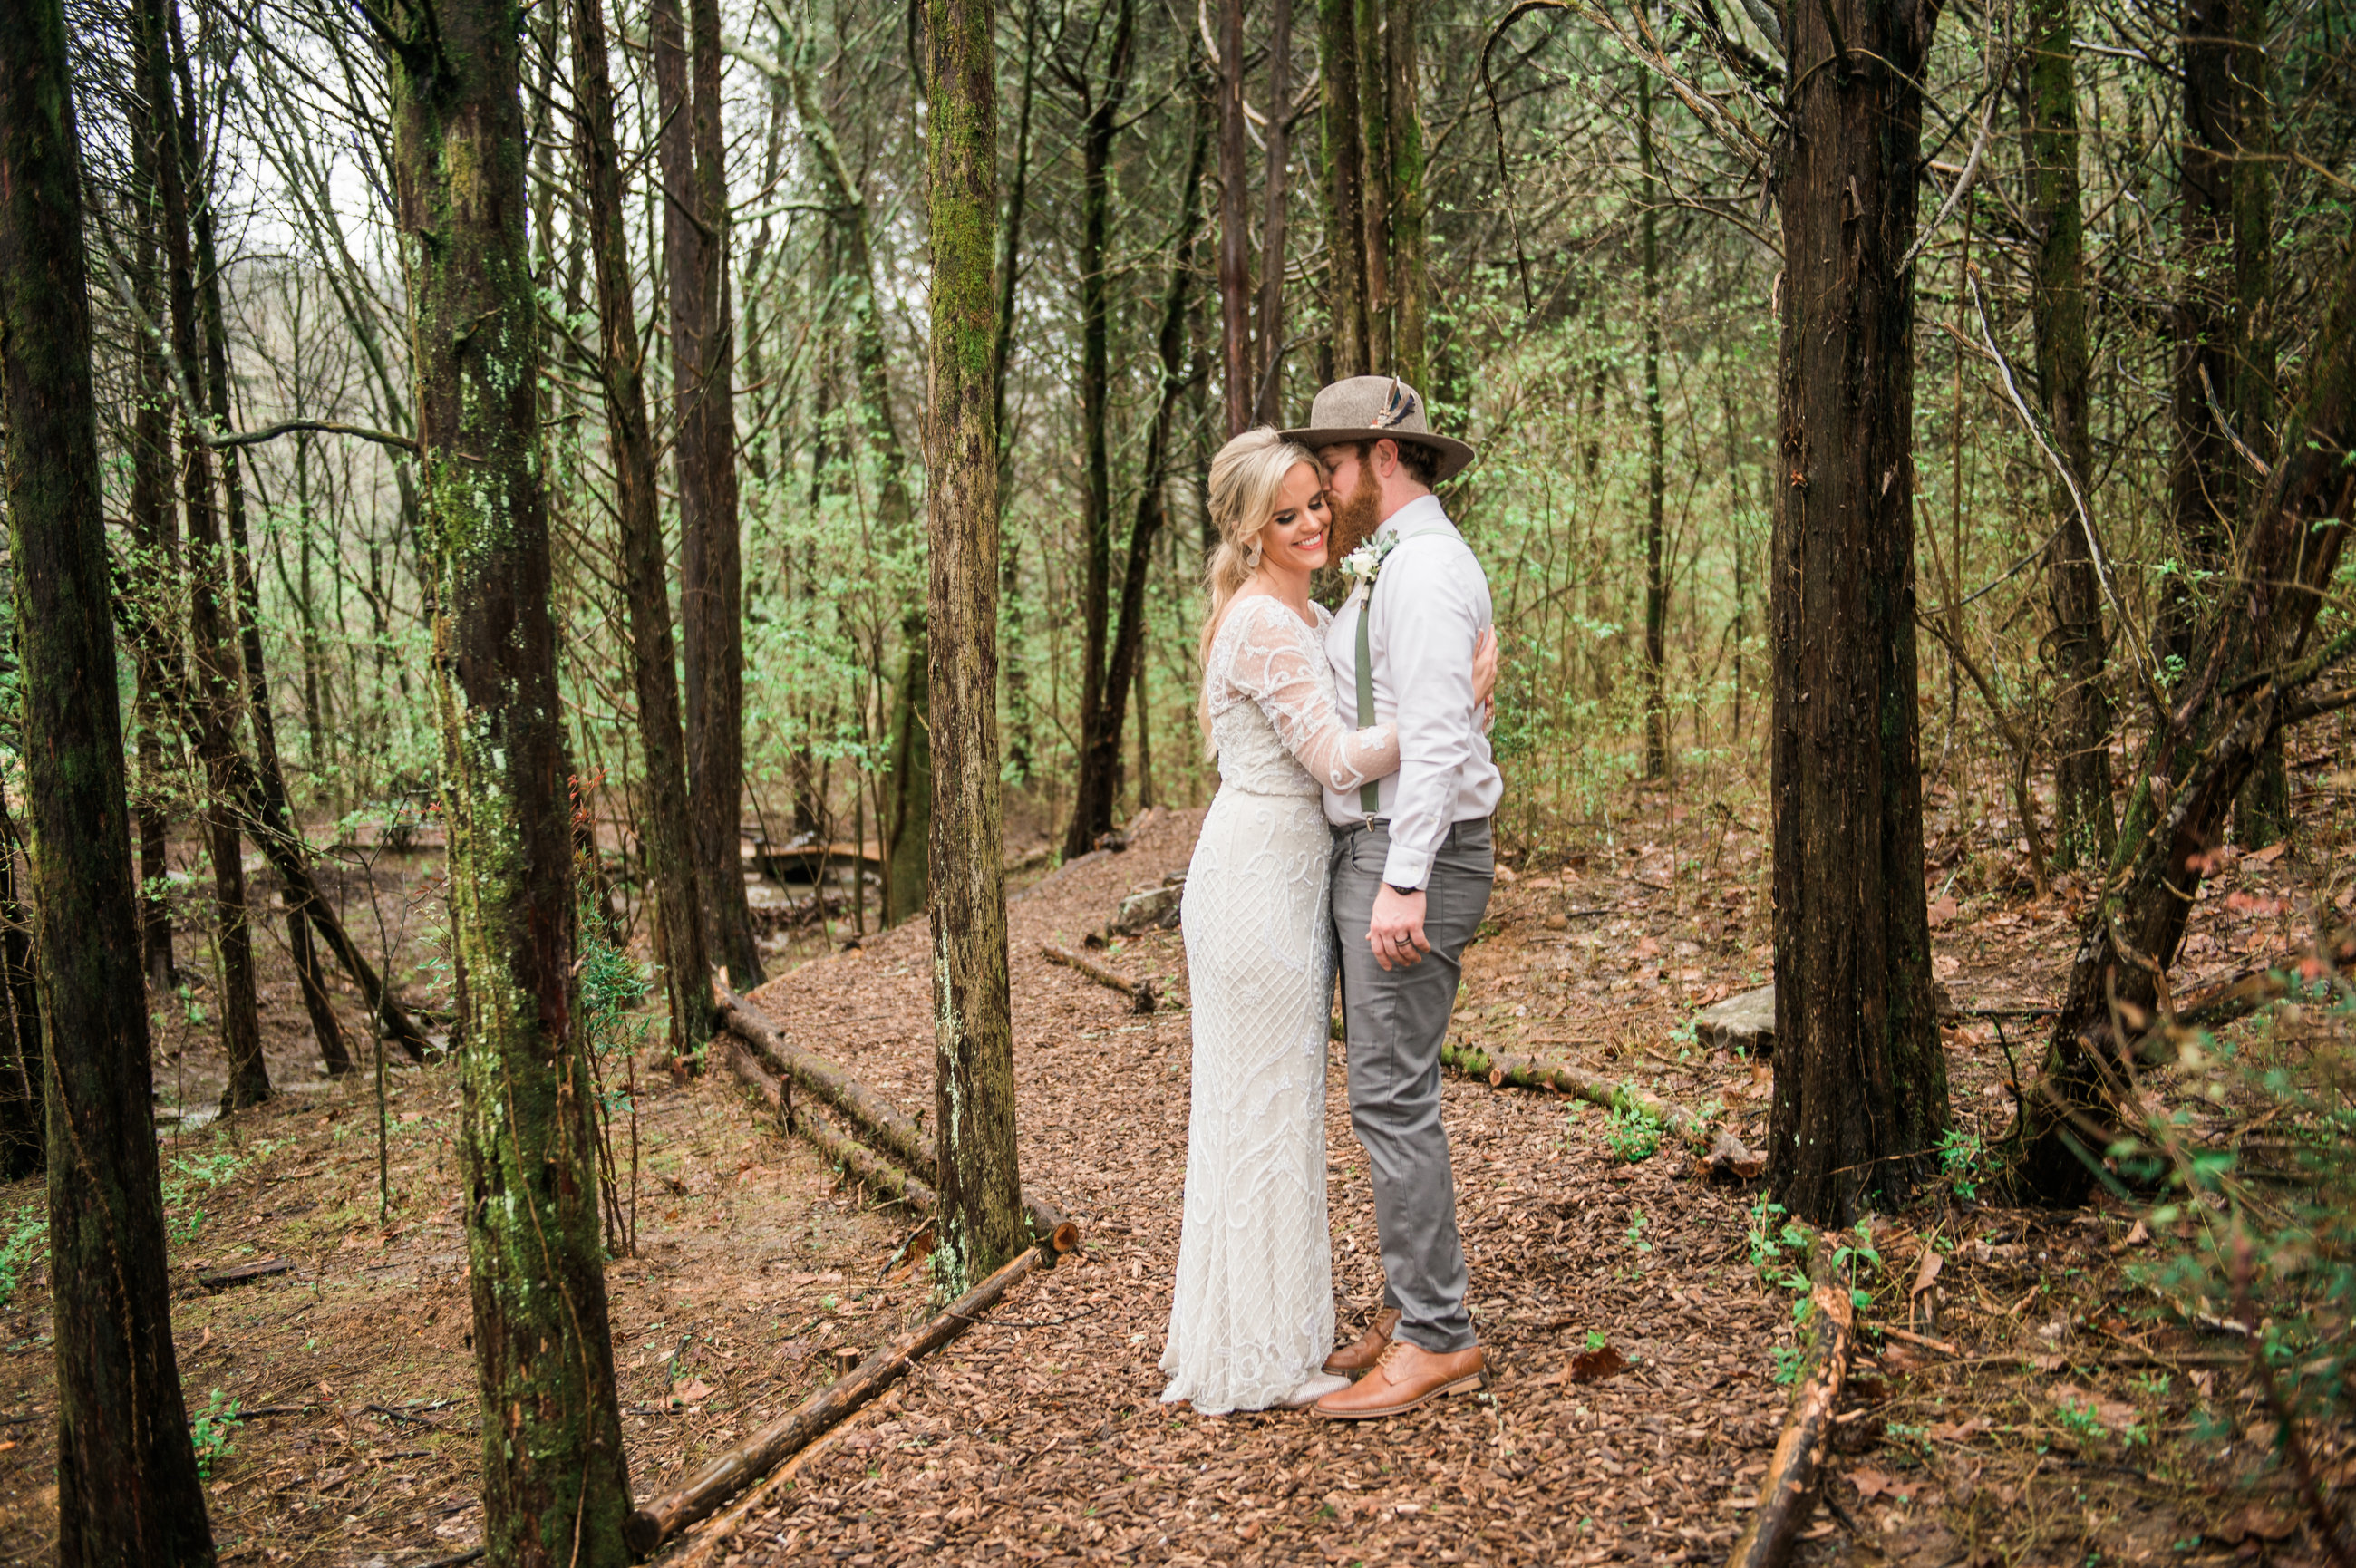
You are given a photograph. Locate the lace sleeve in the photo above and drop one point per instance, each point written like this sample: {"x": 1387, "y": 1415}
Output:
{"x": 1277, "y": 665}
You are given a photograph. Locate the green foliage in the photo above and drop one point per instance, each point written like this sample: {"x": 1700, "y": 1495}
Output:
{"x": 1776, "y": 1244}
{"x": 1631, "y": 1130}
{"x": 25, "y": 1238}
{"x": 211, "y": 1430}
{"x": 1597, "y": 1339}
{"x": 1960, "y": 1162}
{"x": 186, "y": 1177}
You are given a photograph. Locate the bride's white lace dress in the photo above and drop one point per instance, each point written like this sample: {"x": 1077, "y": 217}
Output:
{"x": 1252, "y": 1315}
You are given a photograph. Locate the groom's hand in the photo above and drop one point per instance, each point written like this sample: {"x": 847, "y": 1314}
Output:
{"x": 1396, "y": 933}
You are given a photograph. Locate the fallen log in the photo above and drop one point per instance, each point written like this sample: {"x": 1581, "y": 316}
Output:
{"x": 760, "y": 1046}
{"x": 869, "y": 1113}
{"x": 649, "y": 1527}
{"x": 1783, "y": 1491}
{"x": 878, "y": 1175}
{"x": 715, "y": 1536}
{"x": 1139, "y": 993}
{"x": 1721, "y": 1152}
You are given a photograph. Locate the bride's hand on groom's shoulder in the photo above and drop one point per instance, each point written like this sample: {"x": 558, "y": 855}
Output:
{"x": 1484, "y": 674}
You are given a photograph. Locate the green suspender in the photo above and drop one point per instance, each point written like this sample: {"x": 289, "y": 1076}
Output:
{"x": 1370, "y": 794}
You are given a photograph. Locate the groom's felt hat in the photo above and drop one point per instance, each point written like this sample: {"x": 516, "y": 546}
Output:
{"x": 1375, "y": 408}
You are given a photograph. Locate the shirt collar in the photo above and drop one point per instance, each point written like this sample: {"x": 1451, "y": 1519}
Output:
{"x": 1423, "y": 512}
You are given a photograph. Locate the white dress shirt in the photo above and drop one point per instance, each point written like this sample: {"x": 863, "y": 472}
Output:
{"x": 1430, "y": 605}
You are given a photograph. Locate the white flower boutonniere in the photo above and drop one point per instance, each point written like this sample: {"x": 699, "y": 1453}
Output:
{"x": 1365, "y": 563}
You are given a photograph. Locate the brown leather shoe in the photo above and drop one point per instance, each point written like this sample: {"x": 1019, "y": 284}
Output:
{"x": 1369, "y": 1348}
{"x": 1404, "y": 1378}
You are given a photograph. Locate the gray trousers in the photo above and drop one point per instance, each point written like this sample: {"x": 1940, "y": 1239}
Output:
{"x": 1398, "y": 1020}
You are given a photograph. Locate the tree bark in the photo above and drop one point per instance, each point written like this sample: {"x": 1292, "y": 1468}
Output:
{"x": 2255, "y": 668}
{"x": 1374, "y": 186}
{"x": 1337, "y": 63}
{"x": 2262, "y": 813}
{"x": 2084, "y": 828}
{"x": 126, "y": 1473}
{"x": 712, "y": 589}
{"x": 1098, "y": 782}
{"x": 679, "y": 906}
{"x": 1268, "y": 365}
{"x": 1657, "y": 581}
{"x": 2200, "y": 477}
{"x": 1860, "y": 1082}
{"x": 1409, "y": 263}
{"x": 1013, "y": 611}
{"x": 555, "y": 1485}
{"x": 1235, "y": 243}
{"x": 979, "y": 1222}
{"x": 218, "y": 674}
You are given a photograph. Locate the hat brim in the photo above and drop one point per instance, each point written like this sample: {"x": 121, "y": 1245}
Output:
{"x": 1454, "y": 455}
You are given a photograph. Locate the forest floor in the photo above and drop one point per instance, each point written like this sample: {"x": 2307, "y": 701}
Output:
{"x": 2047, "y": 1411}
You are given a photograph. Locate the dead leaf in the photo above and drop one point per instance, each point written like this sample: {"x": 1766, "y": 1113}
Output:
{"x": 1945, "y": 965}
{"x": 1872, "y": 1483}
{"x": 2258, "y": 1521}
{"x": 2267, "y": 857}
{"x": 1928, "y": 1271}
{"x": 695, "y": 1391}
{"x": 1941, "y": 912}
{"x": 1955, "y": 1430}
{"x": 1594, "y": 1366}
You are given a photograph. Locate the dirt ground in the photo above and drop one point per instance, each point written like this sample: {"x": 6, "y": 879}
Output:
{"x": 2045, "y": 1412}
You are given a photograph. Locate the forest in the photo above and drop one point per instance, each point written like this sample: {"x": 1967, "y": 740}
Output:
{"x": 602, "y": 744}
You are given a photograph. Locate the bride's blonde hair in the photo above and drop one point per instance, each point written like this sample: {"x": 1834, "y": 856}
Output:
{"x": 1246, "y": 476}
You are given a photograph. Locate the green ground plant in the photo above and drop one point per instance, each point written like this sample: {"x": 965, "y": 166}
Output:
{"x": 211, "y": 1430}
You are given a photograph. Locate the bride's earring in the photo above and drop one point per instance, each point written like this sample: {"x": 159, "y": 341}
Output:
{"x": 1251, "y": 556}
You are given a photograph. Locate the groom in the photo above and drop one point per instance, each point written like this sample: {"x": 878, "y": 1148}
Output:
{"x": 1412, "y": 866}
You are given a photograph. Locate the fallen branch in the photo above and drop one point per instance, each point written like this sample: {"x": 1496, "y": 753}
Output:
{"x": 1783, "y": 1491}
{"x": 1721, "y": 1152}
{"x": 869, "y": 1114}
{"x": 1138, "y": 992}
{"x": 649, "y": 1527}
{"x": 879, "y": 1176}
{"x": 722, "y": 1530}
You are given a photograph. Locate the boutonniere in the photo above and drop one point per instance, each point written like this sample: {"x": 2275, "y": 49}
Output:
{"x": 1365, "y": 563}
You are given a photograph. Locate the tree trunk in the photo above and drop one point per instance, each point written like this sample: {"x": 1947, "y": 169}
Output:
{"x": 687, "y": 985}
{"x": 208, "y": 570}
{"x": 711, "y": 587}
{"x": 555, "y": 1485}
{"x": 1098, "y": 780}
{"x": 2083, "y": 828}
{"x": 1409, "y": 266}
{"x": 1235, "y": 244}
{"x": 209, "y": 623}
{"x": 1269, "y": 395}
{"x": 1013, "y": 611}
{"x": 2254, "y": 670}
{"x": 2262, "y": 814}
{"x": 980, "y": 1223}
{"x": 1657, "y": 581}
{"x": 1375, "y": 186}
{"x": 155, "y": 555}
{"x": 1337, "y": 64}
{"x": 1126, "y": 665}
{"x": 250, "y": 1081}
{"x": 1860, "y": 1082}
{"x": 127, "y": 1487}
{"x": 2202, "y": 478}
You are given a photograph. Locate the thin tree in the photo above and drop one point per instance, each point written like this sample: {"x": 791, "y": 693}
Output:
{"x": 1860, "y": 1082}
{"x": 555, "y": 1482}
{"x": 677, "y": 906}
{"x": 127, "y": 1485}
{"x": 1234, "y": 240}
{"x": 2084, "y": 826}
{"x": 703, "y": 359}
{"x": 1656, "y": 575}
{"x": 980, "y": 1185}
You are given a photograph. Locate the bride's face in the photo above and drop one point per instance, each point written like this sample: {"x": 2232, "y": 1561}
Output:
{"x": 1294, "y": 542}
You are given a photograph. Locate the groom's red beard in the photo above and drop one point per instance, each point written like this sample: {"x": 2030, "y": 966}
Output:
{"x": 1358, "y": 515}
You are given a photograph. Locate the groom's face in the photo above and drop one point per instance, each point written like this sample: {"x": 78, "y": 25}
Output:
{"x": 1357, "y": 495}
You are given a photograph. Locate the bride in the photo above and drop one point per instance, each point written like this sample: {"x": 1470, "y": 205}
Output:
{"x": 1251, "y": 1320}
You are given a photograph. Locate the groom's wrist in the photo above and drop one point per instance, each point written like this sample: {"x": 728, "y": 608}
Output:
{"x": 1403, "y": 892}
